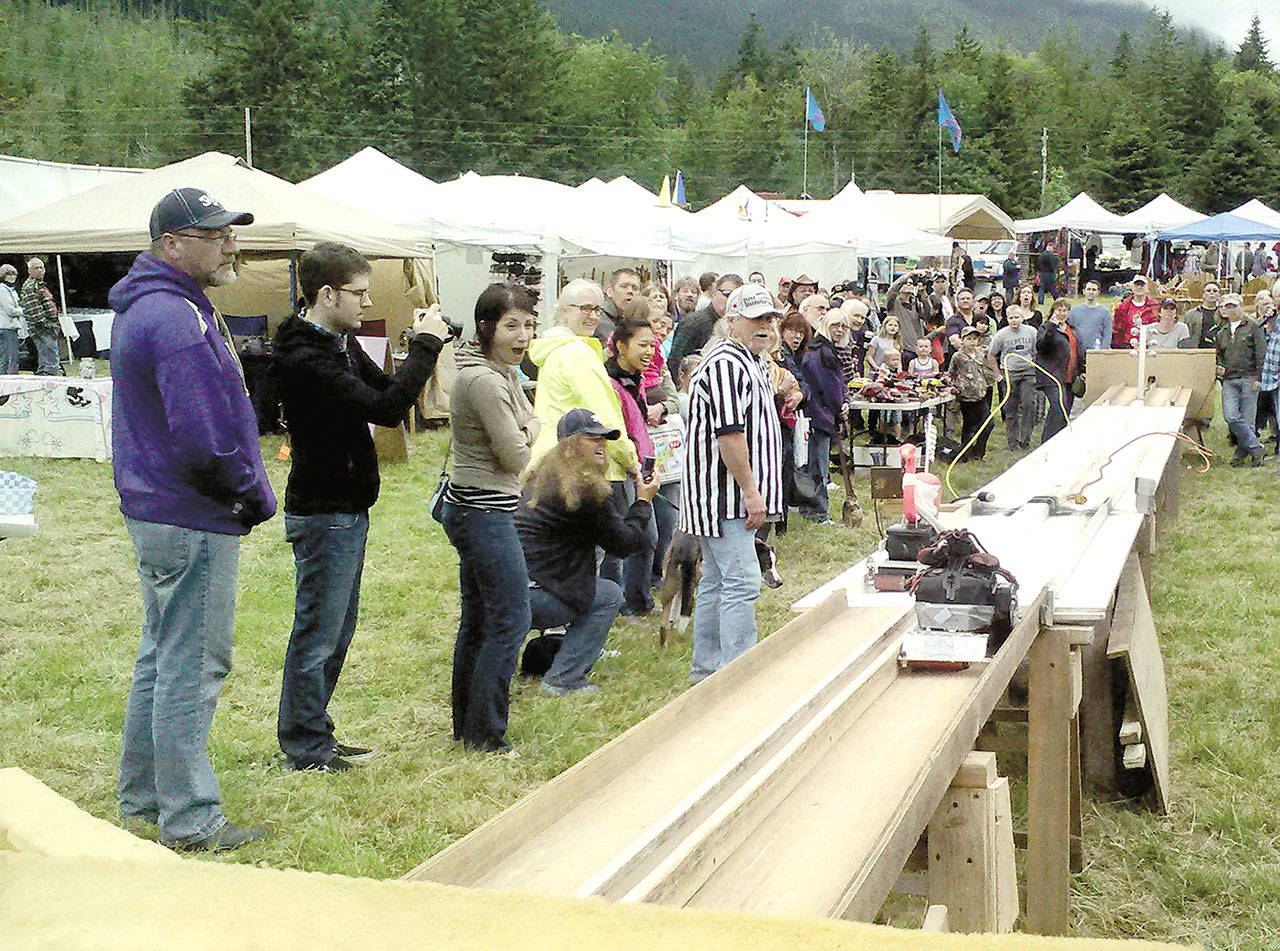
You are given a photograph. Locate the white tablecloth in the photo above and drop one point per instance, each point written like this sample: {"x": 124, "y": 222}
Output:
{"x": 102, "y": 321}
{"x": 59, "y": 416}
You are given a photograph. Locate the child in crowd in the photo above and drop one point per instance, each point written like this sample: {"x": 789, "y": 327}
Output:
{"x": 924, "y": 366}
{"x": 968, "y": 372}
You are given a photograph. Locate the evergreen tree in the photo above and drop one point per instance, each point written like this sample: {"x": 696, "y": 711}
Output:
{"x": 1252, "y": 54}
{"x": 269, "y": 58}
{"x": 1122, "y": 57}
{"x": 1239, "y": 165}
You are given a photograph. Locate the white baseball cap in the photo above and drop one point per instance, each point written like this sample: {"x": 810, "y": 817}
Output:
{"x": 752, "y": 302}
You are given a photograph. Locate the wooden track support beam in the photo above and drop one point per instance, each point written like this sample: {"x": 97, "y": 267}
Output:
{"x": 971, "y": 859}
{"x": 1048, "y": 862}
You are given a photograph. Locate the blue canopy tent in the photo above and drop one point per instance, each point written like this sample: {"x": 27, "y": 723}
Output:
{"x": 1223, "y": 227}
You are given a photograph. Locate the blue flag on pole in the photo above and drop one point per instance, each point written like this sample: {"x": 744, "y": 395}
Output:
{"x": 678, "y": 197}
{"x": 948, "y": 121}
{"x": 813, "y": 112}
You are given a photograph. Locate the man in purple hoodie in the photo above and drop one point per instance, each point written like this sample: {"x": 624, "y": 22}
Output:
{"x": 189, "y": 472}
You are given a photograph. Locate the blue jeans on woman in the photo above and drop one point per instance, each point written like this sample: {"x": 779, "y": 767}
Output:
{"x": 636, "y": 570}
{"x": 493, "y": 583}
{"x": 328, "y": 552}
{"x": 584, "y": 634}
{"x": 666, "y": 516}
{"x": 819, "y": 471}
{"x": 8, "y": 351}
{"x": 188, "y": 582}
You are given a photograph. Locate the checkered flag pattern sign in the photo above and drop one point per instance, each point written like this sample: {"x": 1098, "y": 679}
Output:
{"x": 17, "y": 493}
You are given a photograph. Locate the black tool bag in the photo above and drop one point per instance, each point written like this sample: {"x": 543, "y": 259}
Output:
{"x": 963, "y": 588}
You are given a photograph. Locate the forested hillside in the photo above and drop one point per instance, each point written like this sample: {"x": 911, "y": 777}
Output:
{"x": 496, "y": 85}
{"x": 695, "y": 29}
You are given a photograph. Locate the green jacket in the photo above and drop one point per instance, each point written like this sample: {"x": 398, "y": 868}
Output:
{"x": 1240, "y": 354}
{"x": 571, "y": 374}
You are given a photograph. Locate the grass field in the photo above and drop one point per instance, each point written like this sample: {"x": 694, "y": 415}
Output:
{"x": 1209, "y": 872}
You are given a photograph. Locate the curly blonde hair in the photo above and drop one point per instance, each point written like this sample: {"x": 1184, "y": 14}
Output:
{"x": 570, "y": 472}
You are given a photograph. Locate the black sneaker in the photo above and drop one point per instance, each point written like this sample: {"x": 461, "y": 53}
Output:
{"x": 354, "y": 754}
{"x": 227, "y": 838}
{"x": 335, "y": 765}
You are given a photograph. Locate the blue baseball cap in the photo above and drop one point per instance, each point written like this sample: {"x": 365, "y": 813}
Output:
{"x": 195, "y": 208}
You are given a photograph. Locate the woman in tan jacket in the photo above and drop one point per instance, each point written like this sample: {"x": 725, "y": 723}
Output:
{"x": 493, "y": 430}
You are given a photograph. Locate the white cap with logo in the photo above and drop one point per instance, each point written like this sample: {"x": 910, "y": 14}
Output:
{"x": 752, "y": 302}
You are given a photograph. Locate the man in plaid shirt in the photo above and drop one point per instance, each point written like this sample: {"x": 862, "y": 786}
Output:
{"x": 42, "y": 319}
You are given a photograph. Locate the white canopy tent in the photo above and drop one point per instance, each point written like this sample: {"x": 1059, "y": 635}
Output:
{"x": 1161, "y": 213}
{"x": 376, "y": 184}
{"x": 875, "y": 231}
{"x": 1255, "y": 210}
{"x": 27, "y": 184}
{"x": 1081, "y": 213}
{"x": 773, "y": 241}
{"x": 113, "y": 216}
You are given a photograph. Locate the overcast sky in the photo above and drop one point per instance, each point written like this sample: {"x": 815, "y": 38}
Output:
{"x": 1228, "y": 19}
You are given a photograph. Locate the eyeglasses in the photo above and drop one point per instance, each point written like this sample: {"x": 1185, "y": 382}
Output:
{"x": 589, "y": 308}
{"x": 839, "y": 326}
{"x": 360, "y": 293}
{"x": 725, "y": 291}
{"x": 219, "y": 236}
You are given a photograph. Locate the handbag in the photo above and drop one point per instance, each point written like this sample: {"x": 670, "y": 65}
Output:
{"x": 800, "y": 441}
{"x": 435, "y": 504}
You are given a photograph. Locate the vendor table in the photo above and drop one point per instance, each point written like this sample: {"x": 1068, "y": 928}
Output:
{"x": 61, "y": 417}
{"x": 929, "y": 405}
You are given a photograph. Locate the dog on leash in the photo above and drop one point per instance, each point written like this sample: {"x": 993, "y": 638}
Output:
{"x": 680, "y": 572}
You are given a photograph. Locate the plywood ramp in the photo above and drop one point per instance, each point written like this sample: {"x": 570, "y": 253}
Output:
{"x": 664, "y": 771}
{"x": 83, "y": 904}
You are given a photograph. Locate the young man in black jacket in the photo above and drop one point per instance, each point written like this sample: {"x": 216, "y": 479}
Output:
{"x": 566, "y": 514}
{"x": 331, "y": 391}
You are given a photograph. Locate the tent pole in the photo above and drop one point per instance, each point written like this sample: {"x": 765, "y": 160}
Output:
{"x": 66, "y": 319}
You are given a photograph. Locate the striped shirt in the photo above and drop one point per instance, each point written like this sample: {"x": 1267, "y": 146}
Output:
{"x": 729, "y": 393}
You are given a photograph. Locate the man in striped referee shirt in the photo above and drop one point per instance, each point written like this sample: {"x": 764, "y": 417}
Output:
{"x": 732, "y": 481}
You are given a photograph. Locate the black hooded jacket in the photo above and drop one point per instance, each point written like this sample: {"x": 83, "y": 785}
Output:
{"x": 330, "y": 394}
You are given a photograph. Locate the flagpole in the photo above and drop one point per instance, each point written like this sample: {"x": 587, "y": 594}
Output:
{"x": 939, "y": 178}
{"x": 804, "y": 186}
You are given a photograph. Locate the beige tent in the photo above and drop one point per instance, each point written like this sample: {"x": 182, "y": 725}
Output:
{"x": 963, "y": 217}
{"x": 114, "y": 216}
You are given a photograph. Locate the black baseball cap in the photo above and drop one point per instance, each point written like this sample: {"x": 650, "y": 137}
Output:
{"x": 585, "y": 422}
{"x": 186, "y": 208}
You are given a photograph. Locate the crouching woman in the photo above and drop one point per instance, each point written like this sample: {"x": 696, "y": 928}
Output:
{"x": 565, "y": 515}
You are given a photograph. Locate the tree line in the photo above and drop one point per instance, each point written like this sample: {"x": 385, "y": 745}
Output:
{"x": 496, "y": 86}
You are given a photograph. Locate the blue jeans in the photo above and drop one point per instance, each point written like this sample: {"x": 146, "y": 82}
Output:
{"x": 1239, "y": 409}
{"x": 665, "y": 517}
{"x": 724, "y": 616}
{"x": 1020, "y": 411}
{"x": 584, "y": 635}
{"x": 636, "y": 570}
{"x": 328, "y": 552}
{"x": 1048, "y": 285}
{"x": 47, "y": 363}
{"x": 1054, "y": 421}
{"x": 819, "y": 471}
{"x": 9, "y": 351}
{"x": 189, "y": 600}
{"x": 493, "y": 585}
